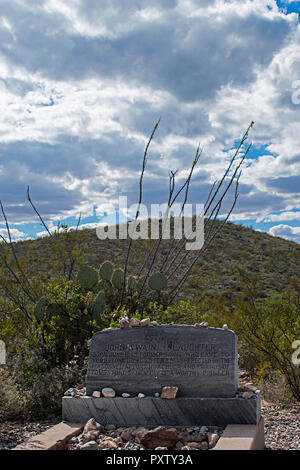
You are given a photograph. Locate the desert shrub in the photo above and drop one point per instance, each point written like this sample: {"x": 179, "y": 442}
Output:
{"x": 45, "y": 357}
{"x": 12, "y": 402}
{"x": 267, "y": 329}
{"x": 30, "y": 389}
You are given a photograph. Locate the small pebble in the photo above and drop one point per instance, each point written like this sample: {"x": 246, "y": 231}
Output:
{"x": 134, "y": 322}
{"x": 248, "y": 395}
{"x": 91, "y": 445}
{"x": 123, "y": 323}
{"x": 110, "y": 427}
{"x": 169, "y": 393}
{"x": 108, "y": 392}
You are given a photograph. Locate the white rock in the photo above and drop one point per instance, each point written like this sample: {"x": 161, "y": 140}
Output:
{"x": 212, "y": 439}
{"x": 134, "y": 322}
{"x": 91, "y": 445}
{"x": 141, "y": 395}
{"x": 123, "y": 323}
{"x": 156, "y": 394}
{"x": 92, "y": 425}
{"x": 125, "y": 395}
{"x": 225, "y": 327}
{"x": 108, "y": 392}
{"x": 108, "y": 443}
{"x": 145, "y": 322}
{"x": 96, "y": 394}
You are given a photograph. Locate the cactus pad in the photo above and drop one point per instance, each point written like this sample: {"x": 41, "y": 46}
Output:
{"x": 157, "y": 281}
{"x": 106, "y": 270}
{"x": 40, "y": 310}
{"x": 117, "y": 278}
{"x": 132, "y": 284}
{"x": 99, "y": 305}
{"x": 140, "y": 284}
{"x": 87, "y": 277}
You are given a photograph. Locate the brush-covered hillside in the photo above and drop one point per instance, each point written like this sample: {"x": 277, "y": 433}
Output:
{"x": 275, "y": 260}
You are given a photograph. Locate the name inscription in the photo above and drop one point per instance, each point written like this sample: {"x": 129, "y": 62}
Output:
{"x": 165, "y": 359}
{"x": 200, "y": 361}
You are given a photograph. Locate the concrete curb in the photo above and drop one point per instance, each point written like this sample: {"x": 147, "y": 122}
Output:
{"x": 54, "y": 438}
{"x": 242, "y": 437}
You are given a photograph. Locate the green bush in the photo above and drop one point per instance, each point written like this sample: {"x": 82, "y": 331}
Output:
{"x": 30, "y": 389}
{"x": 267, "y": 329}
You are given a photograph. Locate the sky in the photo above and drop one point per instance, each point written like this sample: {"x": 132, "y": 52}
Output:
{"x": 83, "y": 82}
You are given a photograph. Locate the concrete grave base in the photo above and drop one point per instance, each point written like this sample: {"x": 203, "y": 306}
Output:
{"x": 54, "y": 438}
{"x": 158, "y": 411}
{"x": 242, "y": 437}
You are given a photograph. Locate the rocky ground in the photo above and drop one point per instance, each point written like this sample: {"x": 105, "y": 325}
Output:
{"x": 110, "y": 437}
{"x": 13, "y": 433}
{"x": 282, "y": 432}
{"x": 282, "y": 426}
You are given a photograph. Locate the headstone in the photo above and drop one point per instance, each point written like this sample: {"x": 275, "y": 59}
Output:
{"x": 201, "y": 362}
{"x": 143, "y": 361}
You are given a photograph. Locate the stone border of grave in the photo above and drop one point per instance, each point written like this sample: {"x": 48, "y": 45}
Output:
{"x": 159, "y": 411}
{"x": 234, "y": 437}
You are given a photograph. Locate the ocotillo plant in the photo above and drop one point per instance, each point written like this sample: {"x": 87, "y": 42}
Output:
{"x": 175, "y": 259}
{"x": 111, "y": 287}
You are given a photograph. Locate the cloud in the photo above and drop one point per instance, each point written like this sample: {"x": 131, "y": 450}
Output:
{"x": 282, "y": 216}
{"x": 286, "y": 231}
{"x": 81, "y": 88}
{"x": 15, "y": 234}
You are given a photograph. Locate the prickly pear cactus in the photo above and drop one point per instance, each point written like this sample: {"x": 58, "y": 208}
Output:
{"x": 140, "y": 284}
{"x": 106, "y": 270}
{"x": 132, "y": 284}
{"x": 90, "y": 301}
{"x": 99, "y": 305}
{"x": 40, "y": 310}
{"x": 106, "y": 287}
{"x": 87, "y": 277}
{"x": 117, "y": 278}
{"x": 157, "y": 282}
{"x": 97, "y": 287}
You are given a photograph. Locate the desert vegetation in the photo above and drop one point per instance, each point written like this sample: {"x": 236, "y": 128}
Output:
{"x": 57, "y": 291}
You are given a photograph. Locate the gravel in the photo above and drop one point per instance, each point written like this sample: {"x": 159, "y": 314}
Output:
{"x": 282, "y": 428}
{"x": 13, "y": 433}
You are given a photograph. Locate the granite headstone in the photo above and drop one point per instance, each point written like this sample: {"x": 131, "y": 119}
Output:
{"x": 201, "y": 362}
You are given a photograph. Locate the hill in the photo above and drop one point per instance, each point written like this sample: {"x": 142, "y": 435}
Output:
{"x": 273, "y": 259}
